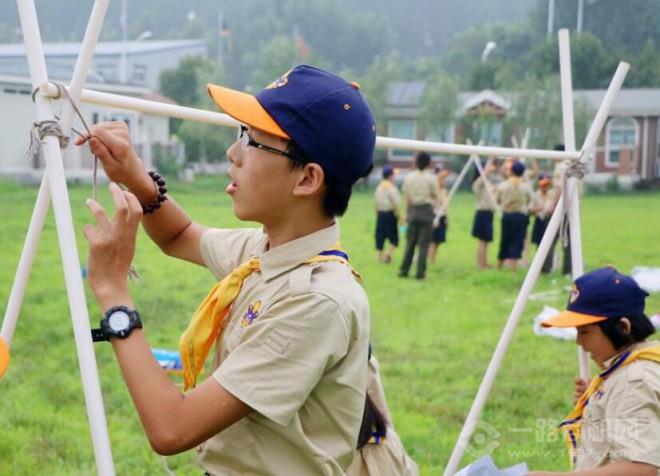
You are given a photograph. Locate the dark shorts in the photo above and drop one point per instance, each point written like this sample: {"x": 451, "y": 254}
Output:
{"x": 514, "y": 229}
{"x": 482, "y": 227}
{"x": 539, "y": 229}
{"x": 440, "y": 231}
{"x": 386, "y": 229}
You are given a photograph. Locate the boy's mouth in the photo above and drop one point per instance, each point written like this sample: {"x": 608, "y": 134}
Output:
{"x": 231, "y": 188}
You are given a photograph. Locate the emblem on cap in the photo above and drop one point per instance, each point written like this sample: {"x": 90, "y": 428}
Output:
{"x": 575, "y": 293}
{"x": 280, "y": 82}
{"x": 251, "y": 314}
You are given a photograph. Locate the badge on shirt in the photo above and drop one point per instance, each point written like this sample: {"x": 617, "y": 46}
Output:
{"x": 251, "y": 314}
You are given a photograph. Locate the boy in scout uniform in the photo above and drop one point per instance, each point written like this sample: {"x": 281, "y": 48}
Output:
{"x": 289, "y": 321}
{"x": 614, "y": 428}
{"x": 387, "y": 200}
{"x": 482, "y": 224}
{"x": 421, "y": 192}
{"x": 514, "y": 195}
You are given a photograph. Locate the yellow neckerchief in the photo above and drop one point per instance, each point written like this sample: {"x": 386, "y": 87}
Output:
{"x": 386, "y": 184}
{"x": 572, "y": 424}
{"x": 207, "y": 322}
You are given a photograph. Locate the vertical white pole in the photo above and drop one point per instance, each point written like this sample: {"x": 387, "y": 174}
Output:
{"x": 551, "y": 17}
{"x": 532, "y": 275}
{"x": 572, "y": 195}
{"x": 67, "y": 240}
{"x": 580, "y": 15}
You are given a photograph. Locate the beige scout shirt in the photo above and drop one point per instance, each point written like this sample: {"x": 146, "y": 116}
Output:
{"x": 484, "y": 200}
{"x": 622, "y": 421}
{"x": 514, "y": 195}
{"x": 294, "y": 350}
{"x": 420, "y": 187}
{"x": 386, "y": 196}
{"x": 543, "y": 202}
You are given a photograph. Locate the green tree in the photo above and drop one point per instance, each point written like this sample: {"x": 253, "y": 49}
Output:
{"x": 438, "y": 107}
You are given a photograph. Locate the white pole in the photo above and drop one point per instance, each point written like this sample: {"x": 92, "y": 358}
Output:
{"x": 530, "y": 279}
{"x": 68, "y": 249}
{"x": 580, "y": 15}
{"x": 511, "y": 324}
{"x": 551, "y": 17}
{"x": 455, "y": 185}
{"x": 43, "y": 198}
{"x": 573, "y": 198}
{"x": 181, "y": 112}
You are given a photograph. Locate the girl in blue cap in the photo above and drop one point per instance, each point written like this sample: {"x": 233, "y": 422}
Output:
{"x": 614, "y": 428}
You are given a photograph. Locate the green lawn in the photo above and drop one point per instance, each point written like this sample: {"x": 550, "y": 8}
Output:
{"x": 433, "y": 338}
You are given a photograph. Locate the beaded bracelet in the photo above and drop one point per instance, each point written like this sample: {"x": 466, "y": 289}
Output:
{"x": 162, "y": 190}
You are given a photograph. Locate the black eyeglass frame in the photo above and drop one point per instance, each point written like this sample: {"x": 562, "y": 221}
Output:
{"x": 243, "y": 131}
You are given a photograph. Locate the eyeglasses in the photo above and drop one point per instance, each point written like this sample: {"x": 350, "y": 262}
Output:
{"x": 246, "y": 141}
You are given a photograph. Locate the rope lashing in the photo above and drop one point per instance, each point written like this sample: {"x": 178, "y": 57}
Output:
{"x": 53, "y": 128}
{"x": 574, "y": 168}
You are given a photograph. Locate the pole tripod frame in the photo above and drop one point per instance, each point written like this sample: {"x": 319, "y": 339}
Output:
{"x": 54, "y": 180}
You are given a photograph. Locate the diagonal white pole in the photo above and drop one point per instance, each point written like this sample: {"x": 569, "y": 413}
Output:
{"x": 67, "y": 241}
{"x": 577, "y": 265}
{"x": 455, "y": 185}
{"x": 528, "y": 284}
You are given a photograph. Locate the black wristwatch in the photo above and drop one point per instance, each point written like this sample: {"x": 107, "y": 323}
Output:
{"x": 119, "y": 322}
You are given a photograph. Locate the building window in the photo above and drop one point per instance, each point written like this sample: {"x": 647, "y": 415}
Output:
{"x": 107, "y": 71}
{"x": 139, "y": 73}
{"x": 621, "y": 134}
{"x": 490, "y": 132}
{"x": 402, "y": 129}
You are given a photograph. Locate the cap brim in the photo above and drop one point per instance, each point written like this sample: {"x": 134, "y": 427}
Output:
{"x": 571, "y": 319}
{"x": 245, "y": 108}
{"x": 4, "y": 356}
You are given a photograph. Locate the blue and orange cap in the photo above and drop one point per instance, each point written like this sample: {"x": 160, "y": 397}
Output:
{"x": 324, "y": 115}
{"x": 600, "y": 295}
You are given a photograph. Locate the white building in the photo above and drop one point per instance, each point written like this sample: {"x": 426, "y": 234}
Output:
{"x": 133, "y": 62}
{"x": 17, "y": 114}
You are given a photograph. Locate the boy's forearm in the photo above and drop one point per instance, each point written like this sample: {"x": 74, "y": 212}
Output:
{"x": 165, "y": 224}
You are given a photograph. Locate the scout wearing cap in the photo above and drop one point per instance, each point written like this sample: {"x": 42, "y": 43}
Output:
{"x": 287, "y": 322}
{"x": 617, "y": 419}
{"x": 387, "y": 200}
{"x": 514, "y": 195}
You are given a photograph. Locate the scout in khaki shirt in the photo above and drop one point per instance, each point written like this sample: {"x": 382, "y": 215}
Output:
{"x": 514, "y": 196}
{"x": 614, "y": 428}
{"x": 288, "y": 319}
{"x": 387, "y": 201}
{"x": 482, "y": 225}
{"x": 420, "y": 189}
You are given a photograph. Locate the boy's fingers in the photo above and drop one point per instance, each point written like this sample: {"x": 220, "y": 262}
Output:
{"x": 121, "y": 207}
{"x": 88, "y": 232}
{"x": 98, "y": 212}
{"x": 134, "y": 209}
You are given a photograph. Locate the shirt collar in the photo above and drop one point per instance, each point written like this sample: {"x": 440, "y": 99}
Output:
{"x": 285, "y": 257}
{"x": 632, "y": 348}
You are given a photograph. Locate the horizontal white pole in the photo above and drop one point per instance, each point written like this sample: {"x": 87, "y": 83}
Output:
{"x": 189, "y": 113}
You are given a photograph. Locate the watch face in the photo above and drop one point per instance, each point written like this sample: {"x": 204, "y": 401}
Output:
{"x": 118, "y": 321}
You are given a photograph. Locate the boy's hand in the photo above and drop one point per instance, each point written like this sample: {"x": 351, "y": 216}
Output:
{"x": 112, "y": 245}
{"x": 111, "y": 143}
{"x": 581, "y": 386}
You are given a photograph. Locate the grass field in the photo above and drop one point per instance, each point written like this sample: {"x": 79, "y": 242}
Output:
{"x": 433, "y": 338}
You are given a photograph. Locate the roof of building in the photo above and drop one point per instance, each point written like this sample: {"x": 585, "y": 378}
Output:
{"x": 103, "y": 47}
{"x": 123, "y": 89}
{"x": 628, "y": 102}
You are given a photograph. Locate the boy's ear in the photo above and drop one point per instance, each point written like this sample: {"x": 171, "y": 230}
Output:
{"x": 311, "y": 180}
{"x": 625, "y": 326}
